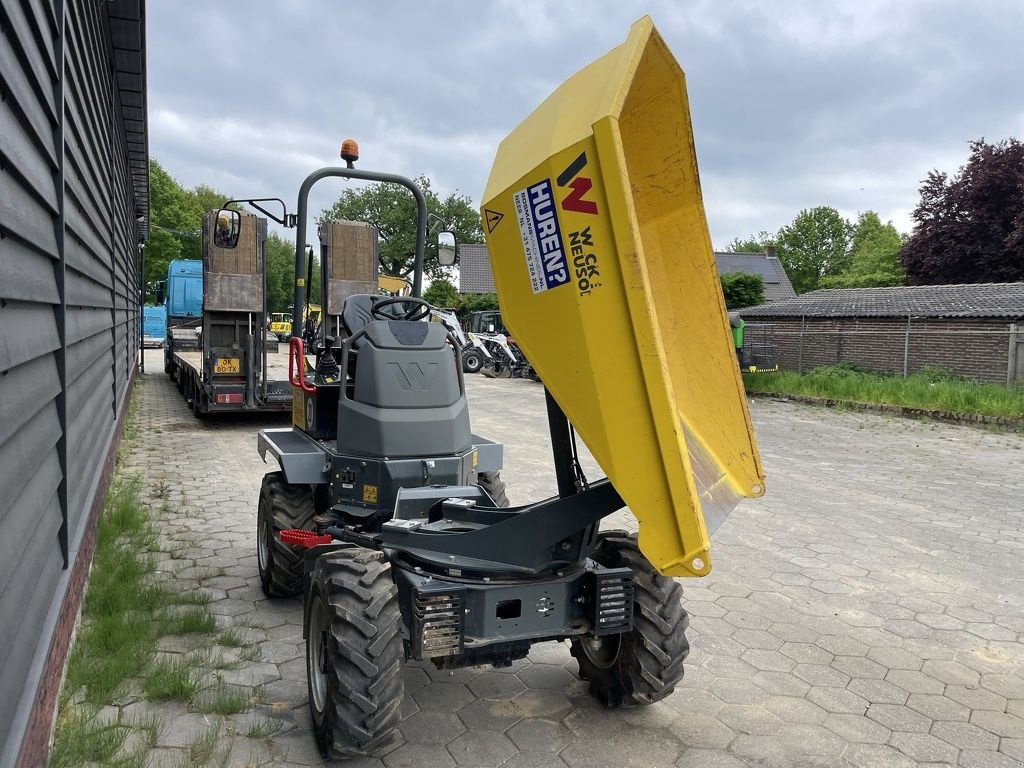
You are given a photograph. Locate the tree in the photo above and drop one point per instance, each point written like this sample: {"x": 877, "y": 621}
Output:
{"x": 753, "y": 244}
{"x": 874, "y": 256}
{"x": 474, "y": 302}
{"x": 814, "y": 245}
{"x": 175, "y": 221}
{"x": 742, "y": 290}
{"x": 442, "y": 293}
{"x": 970, "y": 229}
{"x": 279, "y": 257}
{"x": 392, "y": 209}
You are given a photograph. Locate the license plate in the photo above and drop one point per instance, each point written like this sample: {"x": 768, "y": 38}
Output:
{"x": 226, "y": 365}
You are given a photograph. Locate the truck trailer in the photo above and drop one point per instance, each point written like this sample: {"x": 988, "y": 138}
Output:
{"x": 217, "y": 349}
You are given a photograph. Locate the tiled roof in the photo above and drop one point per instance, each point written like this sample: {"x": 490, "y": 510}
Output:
{"x": 974, "y": 300}
{"x": 475, "y": 269}
{"x": 776, "y": 283}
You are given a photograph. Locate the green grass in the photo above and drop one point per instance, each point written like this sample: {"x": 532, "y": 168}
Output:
{"x": 118, "y": 634}
{"x": 932, "y": 389}
{"x": 169, "y": 680}
{"x": 230, "y": 638}
{"x": 194, "y": 620}
{"x": 80, "y": 740}
{"x": 124, "y": 614}
{"x": 222, "y": 699}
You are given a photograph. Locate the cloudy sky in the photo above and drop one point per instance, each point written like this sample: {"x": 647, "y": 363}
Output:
{"x": 795, "y": 103}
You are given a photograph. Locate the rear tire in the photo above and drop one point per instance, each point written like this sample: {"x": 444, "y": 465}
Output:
{"x": 282, "y": 505}
{"x": 472, "y": 362}
{"x": 495, "y": 487}
{"x": 644, "y": 665}
{"x": 354, "y": 653}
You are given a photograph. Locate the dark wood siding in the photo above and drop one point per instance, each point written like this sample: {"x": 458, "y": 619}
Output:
{"x": 69, "y": 340}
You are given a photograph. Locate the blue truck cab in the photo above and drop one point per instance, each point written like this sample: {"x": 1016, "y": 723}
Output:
{"x": 184, "y": 291}
{"x": 154, "y": 326}
{"x": 182, "y": 298}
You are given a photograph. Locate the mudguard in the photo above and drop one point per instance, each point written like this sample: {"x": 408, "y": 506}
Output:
{"x": 606, "y": 276}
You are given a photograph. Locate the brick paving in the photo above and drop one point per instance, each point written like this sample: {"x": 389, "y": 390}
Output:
{"x": 868, "y": 612}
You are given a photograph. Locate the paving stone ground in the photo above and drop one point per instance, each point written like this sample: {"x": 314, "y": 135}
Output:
{"x": 867, "y": 612}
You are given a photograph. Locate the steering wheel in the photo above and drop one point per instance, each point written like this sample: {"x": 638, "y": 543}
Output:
{"x": 418, "y": 308}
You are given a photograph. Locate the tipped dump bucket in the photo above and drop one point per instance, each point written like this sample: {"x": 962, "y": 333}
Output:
{"x": 607, "y": 280}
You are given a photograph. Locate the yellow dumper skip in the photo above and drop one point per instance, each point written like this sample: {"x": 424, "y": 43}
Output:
{"x": 604, "y": 268}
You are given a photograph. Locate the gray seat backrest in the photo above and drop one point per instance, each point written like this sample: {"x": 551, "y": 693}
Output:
{"x": 357, "y": 311}
{"x": 408, "y": 398}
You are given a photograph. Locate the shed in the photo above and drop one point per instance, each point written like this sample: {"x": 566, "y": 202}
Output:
{"x": 475, "y": 271}
{"x": 973, "y": 330}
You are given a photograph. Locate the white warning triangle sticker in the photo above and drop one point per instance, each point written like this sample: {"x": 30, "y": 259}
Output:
{"x": 493, "y": 218}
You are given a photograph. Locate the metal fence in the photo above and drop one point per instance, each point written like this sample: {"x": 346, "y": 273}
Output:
{"x": 989, "y": 351}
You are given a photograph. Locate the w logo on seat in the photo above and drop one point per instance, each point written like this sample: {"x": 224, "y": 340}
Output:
{"x": 412, "y": 376}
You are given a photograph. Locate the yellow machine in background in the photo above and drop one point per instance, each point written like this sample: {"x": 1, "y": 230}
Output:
{"x": 392, "y": 285}
{"x": 280, "y": 323}
{"x": 603, "y": 262}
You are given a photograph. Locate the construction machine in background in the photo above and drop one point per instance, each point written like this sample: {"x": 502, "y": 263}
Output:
{"x": 388, "y": 514}
{"x": 474, "y": 354}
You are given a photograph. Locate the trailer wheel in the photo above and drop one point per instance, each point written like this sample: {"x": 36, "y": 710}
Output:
{"x": 282, "y": 505}
{"x": 641, "y": 666}
{"x": 472, "y": 361}
{"x": 495, "y": 487}
{"x": 354, "y": 653}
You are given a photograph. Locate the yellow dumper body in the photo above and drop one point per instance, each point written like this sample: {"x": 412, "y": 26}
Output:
{"x": 606, "y": 276}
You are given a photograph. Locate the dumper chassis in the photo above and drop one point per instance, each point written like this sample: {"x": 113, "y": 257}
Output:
{"x": 402, "y": 554}
{"x": 388, "y": 514}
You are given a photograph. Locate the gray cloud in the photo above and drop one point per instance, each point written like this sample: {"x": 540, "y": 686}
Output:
{"x": 794, "y": 104}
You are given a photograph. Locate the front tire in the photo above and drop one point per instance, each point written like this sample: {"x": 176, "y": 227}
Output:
{"x": 472, "y": 361}
{"x": 494, "y": 485}
{"x": 282, "y": 505}
{"x": 354, "y": 653}
{"x": 644, "y": 665}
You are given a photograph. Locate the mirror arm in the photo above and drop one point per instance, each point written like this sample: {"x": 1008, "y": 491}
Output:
{"x": 285, "y": 219}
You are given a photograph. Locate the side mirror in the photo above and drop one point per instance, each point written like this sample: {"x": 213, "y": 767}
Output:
{"x": 161, "y": 291}
{"x": 227, "y": 228}
{"x": 446, "y": 248}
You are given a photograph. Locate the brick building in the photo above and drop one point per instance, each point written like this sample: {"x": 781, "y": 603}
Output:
{"x": 972, "y": 330}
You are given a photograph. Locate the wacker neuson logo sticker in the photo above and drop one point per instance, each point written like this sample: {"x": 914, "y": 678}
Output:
{"x": 542, "y": 236}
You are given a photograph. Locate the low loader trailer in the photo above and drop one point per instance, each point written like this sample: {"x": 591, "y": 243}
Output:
{"x": 224, "y": 361}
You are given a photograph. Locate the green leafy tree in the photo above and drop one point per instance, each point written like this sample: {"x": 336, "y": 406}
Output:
{"x": 175, "y": 222}
{"x": 279, "y": 256}
{"x": 742, "y": 290}
{"x": 392, "y": 209}
{"x": 753, "y": 244}
{"x": 442, "y": 293}
{"x": 815, "y": 245}
{"x": 874, "y": 256}
{"x": 475, "y": 302}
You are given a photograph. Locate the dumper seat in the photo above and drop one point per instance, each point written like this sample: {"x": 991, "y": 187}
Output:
{"x": 407, "y": 397}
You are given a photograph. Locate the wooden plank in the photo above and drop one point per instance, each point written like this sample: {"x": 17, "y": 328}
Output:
{"x": 29, "y": 331}
{"x": 33, "y": 508}
{"x": 25, "y": 273}
{"x": 24, "y": 391}
{"x": 19, "y": 457}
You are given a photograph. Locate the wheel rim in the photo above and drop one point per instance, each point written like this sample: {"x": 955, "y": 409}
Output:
{"x": 263, "y": 541}
{"x": 316, "y": 655}
{"x": 604, "y": 653}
